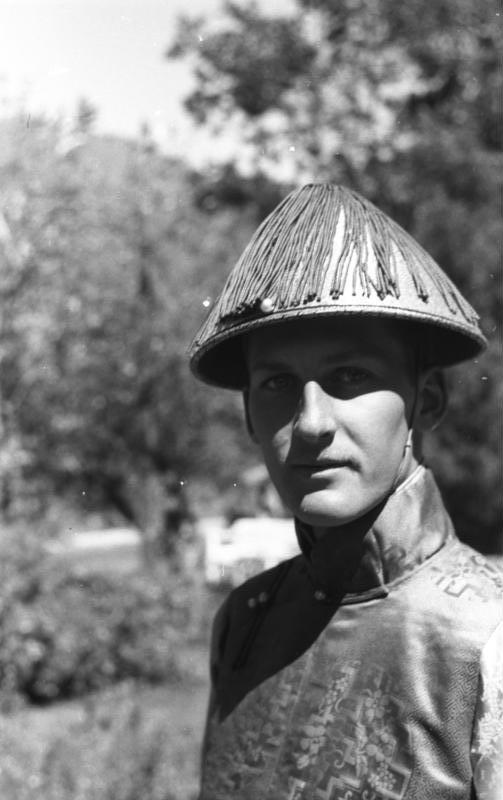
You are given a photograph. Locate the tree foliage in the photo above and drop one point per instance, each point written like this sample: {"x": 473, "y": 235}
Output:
{"x": 401, "y": 101}
{"x": 333, "y": 86}
{"x": 107, "y": 266}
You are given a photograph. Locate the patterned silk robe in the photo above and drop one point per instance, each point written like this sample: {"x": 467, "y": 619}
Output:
{"x": 368, "y": 671}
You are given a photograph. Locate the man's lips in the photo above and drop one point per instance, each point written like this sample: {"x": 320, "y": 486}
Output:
{"x": 322, "y": 465}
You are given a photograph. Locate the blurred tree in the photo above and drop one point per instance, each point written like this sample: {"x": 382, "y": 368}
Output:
{"x": 402, "y": 102}
{"x": 328, "y": 87}
{"x": 107, "y": 266}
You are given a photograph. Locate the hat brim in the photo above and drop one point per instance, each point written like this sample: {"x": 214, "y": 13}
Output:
{"x": 221, "y": 360}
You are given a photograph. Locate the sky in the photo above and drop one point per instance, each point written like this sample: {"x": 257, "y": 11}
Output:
{"x": 54, "y": 52}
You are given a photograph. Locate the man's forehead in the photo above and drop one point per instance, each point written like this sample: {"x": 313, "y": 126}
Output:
{"x": 325, "y": 337}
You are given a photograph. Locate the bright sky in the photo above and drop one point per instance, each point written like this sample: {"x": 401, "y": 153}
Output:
{"x": 54, "y": 52}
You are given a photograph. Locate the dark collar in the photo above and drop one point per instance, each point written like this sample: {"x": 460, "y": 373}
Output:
{"x": 375, "y": 551}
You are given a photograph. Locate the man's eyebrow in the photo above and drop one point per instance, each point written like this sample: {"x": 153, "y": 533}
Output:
{"x": 353, "y": 352}
{"x": 371, "y": 350}
{"x": 268, "y": 365}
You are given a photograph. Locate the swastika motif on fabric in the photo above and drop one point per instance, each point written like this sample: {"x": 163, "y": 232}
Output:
{"x": 244, "y": 747}
{"x": 471, "y": 577}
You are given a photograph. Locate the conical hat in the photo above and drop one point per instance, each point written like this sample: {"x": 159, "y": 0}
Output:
{"x": 327, "y": 251}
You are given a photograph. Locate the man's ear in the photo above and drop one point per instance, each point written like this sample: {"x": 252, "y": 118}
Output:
{"x": 249, "y": 426}
{"x": 432, "y": 400}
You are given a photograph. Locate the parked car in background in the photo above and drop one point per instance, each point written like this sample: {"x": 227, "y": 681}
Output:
{"x": 249, "y": 545}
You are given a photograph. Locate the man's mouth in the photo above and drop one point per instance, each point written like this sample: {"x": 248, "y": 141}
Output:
{"x": 322, "y": 465}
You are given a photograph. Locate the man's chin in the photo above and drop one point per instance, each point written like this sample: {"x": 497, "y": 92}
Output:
{"x": 333, "y": 503}
{"x": 321, "y": 511}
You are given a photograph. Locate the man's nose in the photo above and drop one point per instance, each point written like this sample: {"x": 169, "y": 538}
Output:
{"x": 314, "y": 420}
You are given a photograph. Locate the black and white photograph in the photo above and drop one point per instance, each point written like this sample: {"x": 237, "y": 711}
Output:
{"x": 251, "y": 386}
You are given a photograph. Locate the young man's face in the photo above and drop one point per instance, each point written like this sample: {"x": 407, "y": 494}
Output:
{"x": 329, "y": 402}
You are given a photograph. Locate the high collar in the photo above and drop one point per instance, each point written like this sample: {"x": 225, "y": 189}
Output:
{"x": 372, "y": 553}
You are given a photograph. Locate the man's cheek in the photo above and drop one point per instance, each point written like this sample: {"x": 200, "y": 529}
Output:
{"x": 280, "y": 445}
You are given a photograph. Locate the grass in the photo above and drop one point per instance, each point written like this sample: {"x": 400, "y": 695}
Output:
{"x": 127, "y": 743}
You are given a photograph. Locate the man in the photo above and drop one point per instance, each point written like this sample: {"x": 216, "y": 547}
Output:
{"x": 370, "y": 666}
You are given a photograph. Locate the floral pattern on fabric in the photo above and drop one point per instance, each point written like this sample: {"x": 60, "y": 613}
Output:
{"x": 353, "y": 745}
{"x": 383, "y": 704}
{"x": 487, "y": 746}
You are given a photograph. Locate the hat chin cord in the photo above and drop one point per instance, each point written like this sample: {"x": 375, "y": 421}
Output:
{"x": 407, "y": 455}
{"x": 403, "y": 468}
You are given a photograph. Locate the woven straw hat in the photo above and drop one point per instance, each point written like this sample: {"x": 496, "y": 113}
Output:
{"x": 326, "y": 251}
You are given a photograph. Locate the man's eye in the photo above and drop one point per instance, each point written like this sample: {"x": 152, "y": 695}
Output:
{"x": 277, "y": 383}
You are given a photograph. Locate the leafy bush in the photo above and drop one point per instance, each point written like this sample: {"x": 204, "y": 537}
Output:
{"x": 63, "y": 634}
